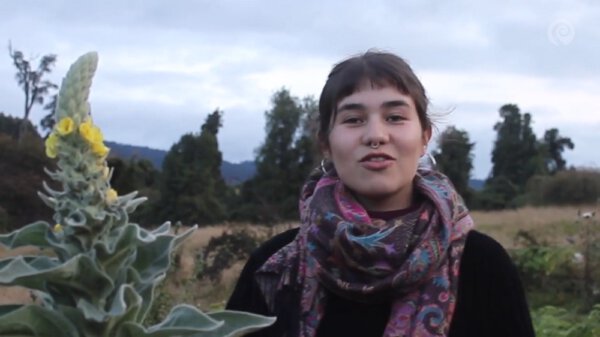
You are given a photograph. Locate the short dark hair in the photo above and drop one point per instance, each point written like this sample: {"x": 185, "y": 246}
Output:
{"x": 381, "y": 69}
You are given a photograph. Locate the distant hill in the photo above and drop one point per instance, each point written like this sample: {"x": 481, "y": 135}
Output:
{"x": 476, "y": 184}
{"x": 125, "y": 151}
{"x": 233, "y": 173}
{"x": 236, "y": 173}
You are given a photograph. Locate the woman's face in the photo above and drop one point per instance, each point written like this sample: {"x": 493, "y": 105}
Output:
{"x": 375, "y": 142}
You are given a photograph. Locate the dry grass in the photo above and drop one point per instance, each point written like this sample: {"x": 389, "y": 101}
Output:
{"x": 191, "y": 247}
{"x": 550, "y": 224}
{"x": 181, "y": 283}
{"x": 527, "y": 217}
{"x": 15, "y": 295}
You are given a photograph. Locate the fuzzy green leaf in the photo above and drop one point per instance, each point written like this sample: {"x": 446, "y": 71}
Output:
{"x": 154, "y": 253}
{"x": 237, "y": 323}
{"x": 183, "y": 320}
{"x": 33, "y": 234}
{"x": 144, "y": 288}
{"x": 81, "y": 274}
{"x": 125, "y": 307}
{"x": 34, "y": 321}
{"x": 117, "y": 251}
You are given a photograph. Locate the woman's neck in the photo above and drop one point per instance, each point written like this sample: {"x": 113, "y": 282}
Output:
{"x": 399, "y": 200}
{"x": 388, "y": 215}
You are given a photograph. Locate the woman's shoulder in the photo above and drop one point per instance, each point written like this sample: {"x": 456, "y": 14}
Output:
{"x": 247, "y": 295}
{"x": 491, "y": 297}
{"x": 483, "y": 254}
{"x": 270, "y": 247}
{"x": 480, "y": 241}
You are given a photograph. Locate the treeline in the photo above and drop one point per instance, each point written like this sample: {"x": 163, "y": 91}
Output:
{"x": 525, "y": 169}
{"x": 21, "y": 175}
{"x": 190, "y": 189}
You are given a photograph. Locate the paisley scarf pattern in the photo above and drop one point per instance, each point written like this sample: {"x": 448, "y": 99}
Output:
{"x": 339, "y": 249}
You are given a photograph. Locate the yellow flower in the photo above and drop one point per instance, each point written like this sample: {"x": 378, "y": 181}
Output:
{"x": 90, "y": 132}
{"x": 100, "y": 149}
{"x": 65, "y": 126}
{"x": 105, "y": 172}
{"x": 52, "y": 145}
{"x": 57, "y": 228}
{"x": 85, "y": 129}
{"x": 93, "y": 136}
{"x": 111, "y": 196}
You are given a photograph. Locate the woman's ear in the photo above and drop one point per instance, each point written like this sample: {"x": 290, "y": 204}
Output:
{"x": 426, "y": 138}
{"x": 324, "y": 148}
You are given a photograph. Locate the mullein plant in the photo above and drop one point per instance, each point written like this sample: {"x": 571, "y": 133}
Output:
{"x": 97, "y": 273}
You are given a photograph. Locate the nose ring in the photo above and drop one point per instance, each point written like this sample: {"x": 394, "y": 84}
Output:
{"x": 374, "y": 145}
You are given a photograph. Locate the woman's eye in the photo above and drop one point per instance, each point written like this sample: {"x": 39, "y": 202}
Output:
{"x": 395, "y": 118}
{"x": 352, "y": 120}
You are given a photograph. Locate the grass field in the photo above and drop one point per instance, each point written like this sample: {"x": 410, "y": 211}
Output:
{"x": 551, "y": 225}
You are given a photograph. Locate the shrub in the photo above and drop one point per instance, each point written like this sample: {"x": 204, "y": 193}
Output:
{"x": 224, "y": 250}
{"x": 551, "y": 321}
{"x": 570, "y": 187}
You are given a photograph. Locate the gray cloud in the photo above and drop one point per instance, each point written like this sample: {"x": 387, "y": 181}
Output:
{"x": 164, "y": 66}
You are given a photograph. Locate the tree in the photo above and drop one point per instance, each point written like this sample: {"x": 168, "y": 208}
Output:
{"x": 22, "y": 168}
{"x": 283, "y": 161}
{"x": 32, "y": 81}
{"x": 47, "y": 123}
{"x": 304, "y": 148}
{"x": 192, "y": 188}
{"x": 516, "y": 156}
{"x": 10, "y": 125}
{"x": 137, "y": 175}
{"x": 554, "y": 145}
{"x": 454, "y": 158}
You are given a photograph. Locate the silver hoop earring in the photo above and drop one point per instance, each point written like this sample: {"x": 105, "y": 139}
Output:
{"x": 323, "y": 166}
{"x": 432, "y": 159}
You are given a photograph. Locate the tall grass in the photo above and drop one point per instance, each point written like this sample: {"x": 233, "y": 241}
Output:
{"x": 553, "y": 225}
{"x": 550, "y": 224}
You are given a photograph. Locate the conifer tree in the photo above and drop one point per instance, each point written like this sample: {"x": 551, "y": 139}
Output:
{"x": 554, "y": 145}
{"x": 454, "y": 158}
{"x": 516, "y": 158}
{"x": 192, "y": 188}
{"x": 515, "y": 148}
{"x": 283, "y": 161}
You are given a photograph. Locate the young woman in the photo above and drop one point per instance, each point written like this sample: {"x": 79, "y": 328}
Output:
{"x": 385, "y": 248}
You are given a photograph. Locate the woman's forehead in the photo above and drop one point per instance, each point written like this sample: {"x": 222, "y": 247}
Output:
{"x": 368, "y": 85}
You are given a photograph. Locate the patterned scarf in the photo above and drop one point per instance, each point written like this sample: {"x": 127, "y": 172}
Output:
{"x": 339, "y": 249}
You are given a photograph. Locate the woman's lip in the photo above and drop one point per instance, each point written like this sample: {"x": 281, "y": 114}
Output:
{"x": 382, "y": 155}
{"x": 376, "y": 165}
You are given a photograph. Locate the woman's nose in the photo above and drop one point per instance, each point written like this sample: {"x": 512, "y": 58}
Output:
{"x": 375, "y": 132}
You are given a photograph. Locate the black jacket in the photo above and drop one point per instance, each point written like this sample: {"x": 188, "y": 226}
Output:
{"x": 490, "y": 300}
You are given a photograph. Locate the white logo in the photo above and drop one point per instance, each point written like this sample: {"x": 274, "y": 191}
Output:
{"x": 561, "y": 33}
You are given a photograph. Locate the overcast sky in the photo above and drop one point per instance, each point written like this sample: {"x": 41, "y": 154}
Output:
{"x": 164, "y": 65}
